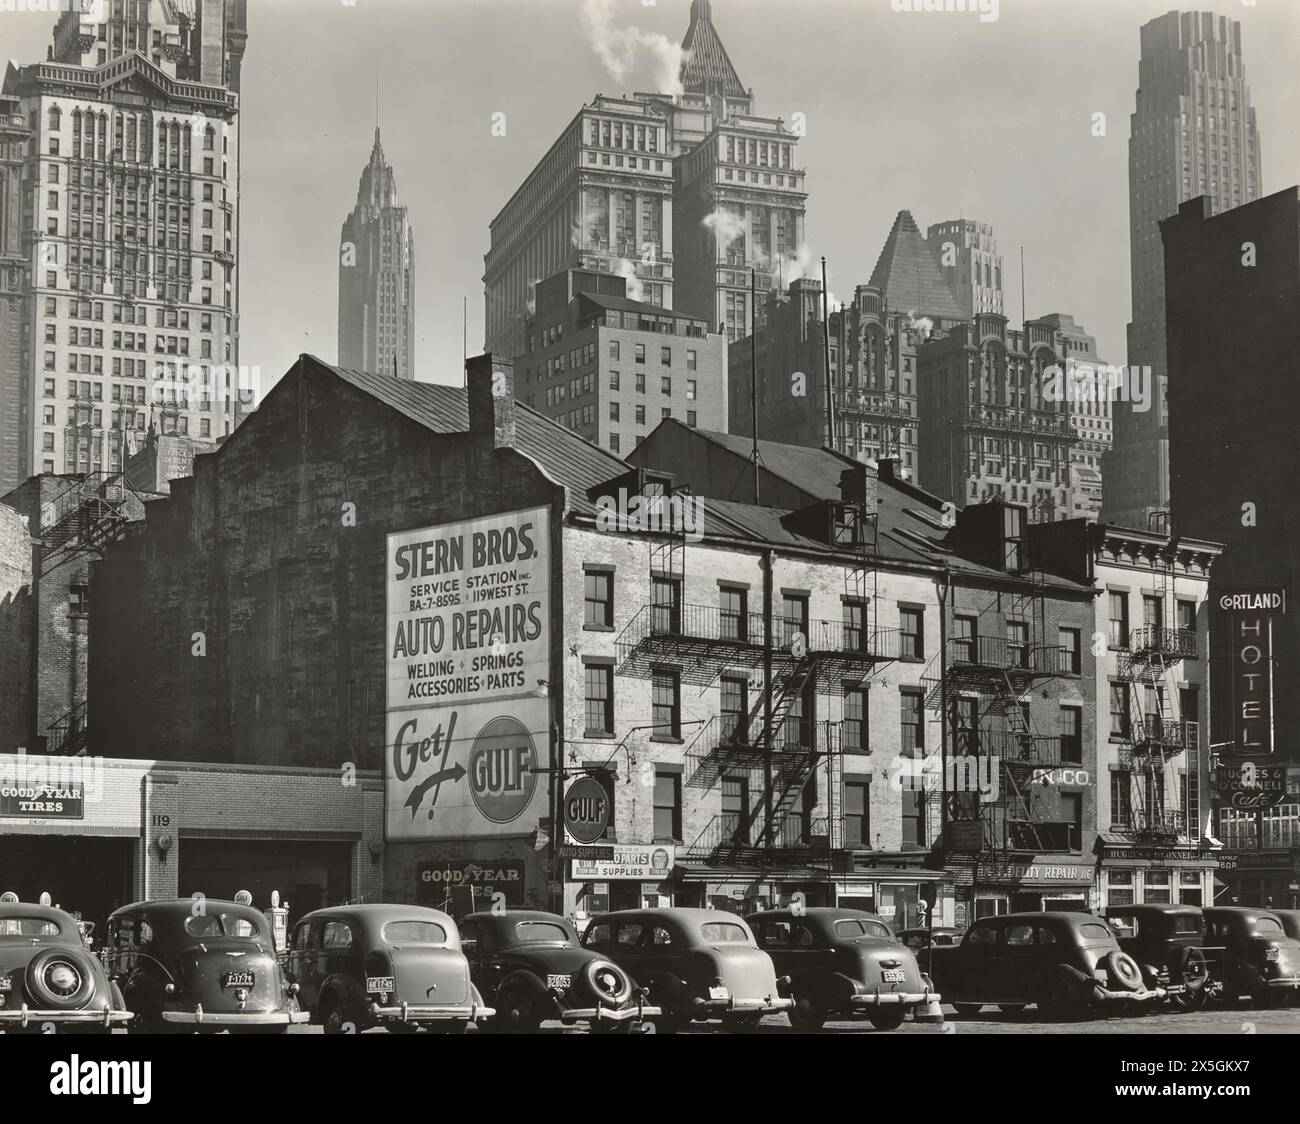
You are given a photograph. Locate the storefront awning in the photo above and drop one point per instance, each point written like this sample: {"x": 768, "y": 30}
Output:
{"x": 1038, "y": 871}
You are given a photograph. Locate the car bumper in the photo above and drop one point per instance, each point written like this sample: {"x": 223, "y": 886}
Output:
{"x": 25, "y": 1016}
{"x": 410, "y": 1013}
{"x": 768, "y": 1005}
{"x": 895, "y": 998}
{"x": 200, "y": 1017}
{"x": 608, "y": 1014}
{"x": 1142, "y": 995}
{"x": 1284, "y": 982}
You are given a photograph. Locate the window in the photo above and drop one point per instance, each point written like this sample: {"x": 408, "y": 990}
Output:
{"x": 598, "y": 592}
{"x": 1121, "y": 798}
{"x": 1070, "y": 641}
{"x": 690, "y": 366}
{"x": 1071, "y": 730}
{"x": 1153, "y": 609}
{"x": 735, "y": 808}
{"x": 1119, "y": 620}
{"x": 734, "y": 709}
{"x": 1156, "y": 886}
{"x": 1072, "y": 814}
{"x": 857, "y": 814}
{"x": 78, "y": 600}
{"x": 912, "y": 641}
{"x": 665, "y": 358}
{"x": 640, "y": 353}
{"x": 613, "y": 411}
{"x": 963, "y": 639}
{"x": 665, "y": 704}
{"x": 668, "y": 805}
{"x": 1119, "y": 888}
{"x": 337, "y": 937}
{"x": 913, "y": 811}
{"x": 613, "y": 353}
{"x": 1119, "y": 715}
{"x": 640, "y": 382}
{"x": 855, "y": 729}
{"x": 691, "y": 418}
{"x": 640, "y": 415}
{"x": 793, "y": 619}
{"x": 666, "y": 412}
{"x": 1018, "y": 643}
{"x": 1187, "y": 615}
{"x": 599, "y": 698}
{"x": 613, "y": 380}
{"x": 733, "y": 619}
{"x": 912, "y": 720}
{"x": 613, "y": 443}
{"x": 666, "y": 384}
{"x": 665, "y": 606}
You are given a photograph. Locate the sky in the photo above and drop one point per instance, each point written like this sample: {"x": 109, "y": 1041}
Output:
{"x": 939, "y": 113}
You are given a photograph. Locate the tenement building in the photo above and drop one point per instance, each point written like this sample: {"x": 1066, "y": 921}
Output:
{"x": 995, "y": 417}
{"x": 1233, "y": 464}
{"x": 1192, "y": 133}
{"x": 611, "y": 368}
{"x": 129, "y": 218}
{"x": 377, "y": 276}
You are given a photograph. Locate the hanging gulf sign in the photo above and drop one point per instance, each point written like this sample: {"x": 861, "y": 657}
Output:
{"x": 468, "y": 607}
{"x": 468, "y": 639}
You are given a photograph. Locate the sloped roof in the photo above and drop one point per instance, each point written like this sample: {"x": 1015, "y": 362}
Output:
{"x": 909, "y": 277}
{"x": 565, "y": 456}
{"x": 626, "y": 304}
{"x": 707, "y": 69}
{"x": 814, "y": 471}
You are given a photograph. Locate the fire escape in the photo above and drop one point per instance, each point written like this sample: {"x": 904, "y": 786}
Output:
{"x": 1153, "y": 737}
{"x": 763, "y": 748}
{"x": 983, "y": 683}
{"x": 80, "y": 522}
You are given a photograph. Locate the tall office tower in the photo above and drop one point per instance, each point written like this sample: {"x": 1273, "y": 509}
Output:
{"x": 377, "y": 277}
{"x": 1091, "y": 407}
{"x": 122, "y": 248}
{"x": 1193, "y": 133}
{"x": 968, "y": 254}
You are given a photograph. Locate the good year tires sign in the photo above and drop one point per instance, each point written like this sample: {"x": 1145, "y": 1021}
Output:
{"x": 468, "y": 635}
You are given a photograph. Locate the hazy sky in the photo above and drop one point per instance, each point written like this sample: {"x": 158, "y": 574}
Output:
{"x": 935, "y": 112}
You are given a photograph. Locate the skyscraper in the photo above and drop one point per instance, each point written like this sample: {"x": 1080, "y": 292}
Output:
{"x": 129, "y": 217}
{"x": 377, "y": 276}
{"x": 1193, "y": 133}
{"x": 968, "y": 254}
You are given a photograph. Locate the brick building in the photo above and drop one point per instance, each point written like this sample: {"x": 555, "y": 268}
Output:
{"x": 611, "y": 368}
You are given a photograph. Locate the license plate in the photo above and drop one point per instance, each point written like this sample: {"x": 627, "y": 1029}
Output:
{"x": 560, "y": 982}
{"x": 6, "y": 983}
{"x": 893, "y": 975}
{"x": 380, "y": 983}
{"x": 237, "y": 979}
{"x": 719, "y": 993}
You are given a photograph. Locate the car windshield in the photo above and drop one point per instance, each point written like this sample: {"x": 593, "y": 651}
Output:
{"x": 723, "y": 932}
{"x": 414, "y": 932}
{"x": 221, "y": 925}
{"x": 856, "y": 927}
{"x": 540, "y": 932}
{"x": 1267, "y": 925}
{"x": 29, "y": 927}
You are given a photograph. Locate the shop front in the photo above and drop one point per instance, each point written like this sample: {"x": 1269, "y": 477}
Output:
{"x": 1029, "y": 884}
{"x": 1135, "y": 871}
{"x": 1269, "y": 879}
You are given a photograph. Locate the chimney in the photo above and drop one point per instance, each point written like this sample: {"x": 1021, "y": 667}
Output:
{"x": 890, "y": 469}
{"x": 858, "y": 486}
{"x": 491, "y": 388}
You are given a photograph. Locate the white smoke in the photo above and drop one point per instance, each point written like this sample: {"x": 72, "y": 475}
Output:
{"x": 627, "y": 270}
{"x": 619, "y": 48}
{"x": 531, "y": 302}
{"x": 726, "y": 225}
{"x": 923, "y": 324}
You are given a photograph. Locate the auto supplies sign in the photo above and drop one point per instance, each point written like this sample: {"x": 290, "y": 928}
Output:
{"x": 652, "y": 863}
{"x": 468, "y": 639}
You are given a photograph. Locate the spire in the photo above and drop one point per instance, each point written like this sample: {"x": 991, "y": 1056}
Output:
{"x": 907, "y": 275}
{"x": 706, "y": 67}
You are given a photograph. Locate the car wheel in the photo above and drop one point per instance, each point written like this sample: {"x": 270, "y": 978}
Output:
{"x": 1011, "y": 1008}
{"x": 887, "y": 1018}
{"x": 968, "y": 1009}
{"x": 335, "y": 1021}
{"x": 517, "y": 1013}
{"x": 60, "y": 979}
{"x": 1189, "y": 968}
{"x": 1123, "y": 970}
{"x": 807, "y": 1014}
{"x": 1055, "y": 1001}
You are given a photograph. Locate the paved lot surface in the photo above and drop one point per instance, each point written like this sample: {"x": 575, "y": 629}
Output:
{"x": 991, "y": 1021}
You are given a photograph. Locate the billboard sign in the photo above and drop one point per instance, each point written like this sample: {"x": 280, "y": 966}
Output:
{"x": 468, "y": 639}
{"x": 652, "y": 863}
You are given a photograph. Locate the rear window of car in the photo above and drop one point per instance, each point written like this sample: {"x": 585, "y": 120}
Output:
{"x": 982, "y": 934}
{"x": 856, "y": 927}
{"x": 1267, "y": 925}
{"x": 723, "y": 932}
{"x": 1187, "y": 923}
{"x": 221, "y": 925}
{"x": 537, "y": 932}
{"x": 414, "y": 932}
{"x": 1094, "y": 931}
{"x": 29, "y": 927}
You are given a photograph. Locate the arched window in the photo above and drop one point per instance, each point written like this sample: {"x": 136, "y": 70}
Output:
{"x": 55, "y": 118}
{"x": 208, "y": 139}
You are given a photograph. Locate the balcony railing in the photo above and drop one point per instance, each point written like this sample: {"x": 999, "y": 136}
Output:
{"x": 729, "y": 837}
{"x": 1156, "y": 640}
{"x": 999, "y": 654}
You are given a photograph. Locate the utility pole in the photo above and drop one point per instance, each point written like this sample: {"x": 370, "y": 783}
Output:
{"x": 753, "y": 369}
{"x": 826, "y": 360}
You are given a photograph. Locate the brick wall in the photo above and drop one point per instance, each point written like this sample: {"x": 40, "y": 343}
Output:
{"x": 16, "y": 606}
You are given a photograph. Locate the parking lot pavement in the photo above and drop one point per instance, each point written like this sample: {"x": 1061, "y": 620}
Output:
{"x": 991, "y": 1021}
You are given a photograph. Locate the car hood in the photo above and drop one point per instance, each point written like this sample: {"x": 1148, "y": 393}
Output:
{"x": 201, "y": 970}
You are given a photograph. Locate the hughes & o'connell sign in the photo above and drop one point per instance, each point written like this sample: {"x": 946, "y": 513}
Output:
{"x": 1249, "y": 614}
{"x": 468, "y": 638}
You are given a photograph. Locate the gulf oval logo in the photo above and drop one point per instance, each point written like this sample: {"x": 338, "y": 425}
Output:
{"x": 501, "y": 763}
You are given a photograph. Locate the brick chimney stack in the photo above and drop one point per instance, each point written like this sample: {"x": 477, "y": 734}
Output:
{"x": 491, "y": 383}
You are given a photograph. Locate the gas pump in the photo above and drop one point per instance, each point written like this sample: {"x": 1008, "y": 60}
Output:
{"x": 278, "y": 916}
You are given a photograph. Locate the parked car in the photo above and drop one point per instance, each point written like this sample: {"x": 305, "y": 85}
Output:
{"x": 397, "y": 966}
{"x": 199, "y": 964}
{"x": 698, "y": 964}
{"x": 841, "y": 963}
{"x": 48, "y": 981}
{"x": 1067, "y": 964}
{"x": 1168, "y": 943}
{"x": 531, "y": 967}
{"x": 923, "y": 938}
{"x": 1290, "y": 919}
{"x": 1261, "y": 962}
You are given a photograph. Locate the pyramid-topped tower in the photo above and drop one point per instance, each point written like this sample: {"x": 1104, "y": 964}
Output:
{"x": 908, "y": 276}
{"x": 706, "y": 68}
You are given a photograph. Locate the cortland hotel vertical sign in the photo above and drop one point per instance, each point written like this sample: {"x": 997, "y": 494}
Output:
{"x": 1250, "y": 614}
{"x": 468, "y": 639}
